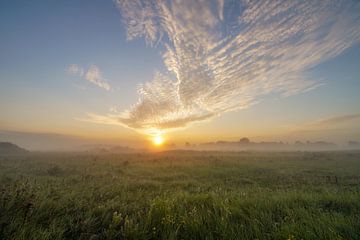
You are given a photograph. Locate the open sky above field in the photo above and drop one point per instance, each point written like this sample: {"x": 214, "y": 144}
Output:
{"x": 192, "y": 71}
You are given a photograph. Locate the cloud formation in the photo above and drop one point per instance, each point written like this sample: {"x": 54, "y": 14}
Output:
{"x": 346, "y": 122}
{"x": 75, "y": 70}
{"x": 93, "y": 75}
{"x": 224, "y": 55}
{"x": 335, "y": 120}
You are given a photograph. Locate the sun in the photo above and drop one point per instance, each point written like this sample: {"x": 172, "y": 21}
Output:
{"x": 158, "y": 140}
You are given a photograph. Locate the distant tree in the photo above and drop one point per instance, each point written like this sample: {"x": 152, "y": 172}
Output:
{"x": 244, "y": 140}
{"x": 187, "y": 144}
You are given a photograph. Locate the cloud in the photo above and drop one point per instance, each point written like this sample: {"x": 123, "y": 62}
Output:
{"x": 93, "y": 75}
{"x": 336, "y": 120}
{"x": 75, "y": 70}
{"x": 226, "y": 55}
{"x": 329, "y": 124}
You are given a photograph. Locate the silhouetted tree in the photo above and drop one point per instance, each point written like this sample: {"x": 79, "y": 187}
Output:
{"x": 244, "y": 140}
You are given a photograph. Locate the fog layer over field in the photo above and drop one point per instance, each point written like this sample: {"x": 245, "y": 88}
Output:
{"x": 57, "y": 142}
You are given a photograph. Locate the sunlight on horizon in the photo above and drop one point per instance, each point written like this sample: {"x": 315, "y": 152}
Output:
{"x": 158, "y": 140}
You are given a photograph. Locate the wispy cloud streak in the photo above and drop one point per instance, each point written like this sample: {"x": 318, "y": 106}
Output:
{"x": 93, "y": 75}
{"x": 335, "y": 120}
{"x": 224, "y": 55}
{"x": 346, "y": 122}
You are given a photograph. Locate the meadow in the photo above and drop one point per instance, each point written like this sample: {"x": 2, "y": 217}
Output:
{"x": 180, "y": 195}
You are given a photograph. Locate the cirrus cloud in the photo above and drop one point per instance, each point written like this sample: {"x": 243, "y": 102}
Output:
{"x": 226, "y": 55}
{"x": 92, "y": 75}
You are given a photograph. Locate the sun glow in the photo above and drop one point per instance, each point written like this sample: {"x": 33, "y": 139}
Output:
{"x": 158, "y": 140}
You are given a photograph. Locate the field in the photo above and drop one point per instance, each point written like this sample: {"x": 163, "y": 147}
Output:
{"x": 180, "y": 195}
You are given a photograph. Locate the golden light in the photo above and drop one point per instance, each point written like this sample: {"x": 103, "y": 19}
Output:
{"x": 158, "y": 140}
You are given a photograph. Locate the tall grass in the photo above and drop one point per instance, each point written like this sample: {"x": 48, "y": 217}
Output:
{"x": 204, "y": 195}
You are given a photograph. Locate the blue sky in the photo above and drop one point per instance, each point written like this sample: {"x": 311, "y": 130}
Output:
{"x": 40, "y": 39}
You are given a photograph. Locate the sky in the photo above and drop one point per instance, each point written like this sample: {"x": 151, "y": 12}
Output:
{"x": 127, "y": 71}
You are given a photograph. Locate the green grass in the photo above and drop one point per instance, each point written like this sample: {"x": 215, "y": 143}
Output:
{"x": 180, "y": 195}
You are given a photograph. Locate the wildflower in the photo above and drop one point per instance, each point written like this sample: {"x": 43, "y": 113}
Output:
{"x": 291, "y": 237}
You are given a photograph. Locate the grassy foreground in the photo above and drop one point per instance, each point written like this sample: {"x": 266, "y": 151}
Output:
{"x": 180, "y": 195}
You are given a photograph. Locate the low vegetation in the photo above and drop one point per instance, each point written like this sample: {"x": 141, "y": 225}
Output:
{"x": 180, "y": 195}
